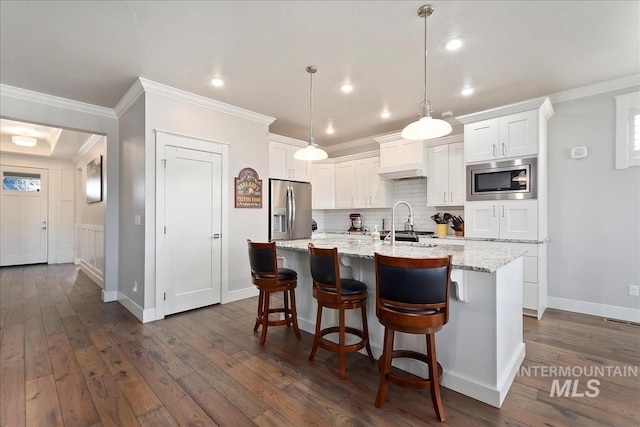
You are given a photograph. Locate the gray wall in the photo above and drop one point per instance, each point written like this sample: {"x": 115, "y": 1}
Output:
{"x": 594, "y": 209}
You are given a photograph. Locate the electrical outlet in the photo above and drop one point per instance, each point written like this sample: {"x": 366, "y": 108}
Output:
{"x": 135, "y": 286}
{"x": 634, "y": 290}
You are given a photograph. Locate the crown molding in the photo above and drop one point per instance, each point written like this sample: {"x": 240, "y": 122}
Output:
{"x": 129, "y": 98}
{"x": 349, "y": 144}
{"x": 287, "y": 140}
{"x": 86, "y": 147}
{"x": 201, "y": 101}
{"x": 596, "y": 89}
{"x": 55, "y": 101}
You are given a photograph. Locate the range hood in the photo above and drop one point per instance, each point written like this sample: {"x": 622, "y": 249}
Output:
{"x": 403, "y": 171}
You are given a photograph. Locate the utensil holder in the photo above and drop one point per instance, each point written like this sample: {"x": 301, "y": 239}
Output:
{"x": 442, "y": 229}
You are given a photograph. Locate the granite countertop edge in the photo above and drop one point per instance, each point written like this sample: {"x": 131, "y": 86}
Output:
{"x": 480, "y": 259}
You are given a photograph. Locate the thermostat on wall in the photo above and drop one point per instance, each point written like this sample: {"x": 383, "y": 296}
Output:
{"x": 579, "y": 152}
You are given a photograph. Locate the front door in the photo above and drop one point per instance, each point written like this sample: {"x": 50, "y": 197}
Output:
{"x": 23, "y": 216}
{"x": 193, "y": 221}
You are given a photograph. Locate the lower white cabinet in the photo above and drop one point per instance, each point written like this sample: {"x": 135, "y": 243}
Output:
{"x": 323, "y": 186}
{"x": 507, "y": 219}
{"x": 534, "y": 274}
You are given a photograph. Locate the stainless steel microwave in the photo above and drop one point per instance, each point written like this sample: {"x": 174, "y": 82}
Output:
{"x": 507, "y": 180}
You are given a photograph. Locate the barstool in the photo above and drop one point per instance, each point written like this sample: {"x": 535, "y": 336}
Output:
{"x": 268, "y": 278}
{"x": 412, "y": 296}
{"x": 339, "y": 294}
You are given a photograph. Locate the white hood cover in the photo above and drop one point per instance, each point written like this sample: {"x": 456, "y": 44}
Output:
{"x": 411, "y": 170}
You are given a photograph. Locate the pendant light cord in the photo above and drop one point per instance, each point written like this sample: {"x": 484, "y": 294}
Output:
{"x": 311, "y": 70}
{"x": 426, "y": 14}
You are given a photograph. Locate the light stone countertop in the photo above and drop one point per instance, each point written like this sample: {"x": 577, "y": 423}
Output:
{"x": 482, "y": 259}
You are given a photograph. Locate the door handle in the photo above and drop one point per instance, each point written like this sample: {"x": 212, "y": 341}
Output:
{"x": 216, "y": 236}
{"x": 44, "y": 228}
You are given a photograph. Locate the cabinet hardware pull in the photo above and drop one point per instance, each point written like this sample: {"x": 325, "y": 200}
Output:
{"x": 504, "y": 149}
{"x": 502, "y": 211}
{"x": 444, "y": 196}
{"x": 493, "y": 150}
{"x": 451, "y": 198}
{"x": 494, "y": 211}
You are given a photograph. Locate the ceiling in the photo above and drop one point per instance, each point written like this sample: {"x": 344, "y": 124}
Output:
{"x": 93, "y": 52}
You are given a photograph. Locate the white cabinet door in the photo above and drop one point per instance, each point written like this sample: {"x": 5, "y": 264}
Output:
{"x": 510, "y": 219}
{"x": 364, "y": 171}
{"x": 323, "y": 186}
{"x": 345, "y": 185}
{"x": 381, "y": 189}
{"x": 438, "y": 179}
{"x": 446, "y": 181}
{"x": 282, "y": 164}
{"x": 457, "y": 174}
{"x": 519, "y": 134}
{"x": 519, "y": 219}
{"x": 481, "y": 139}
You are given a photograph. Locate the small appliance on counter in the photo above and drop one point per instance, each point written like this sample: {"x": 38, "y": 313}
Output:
{"x": 356, "y": 222}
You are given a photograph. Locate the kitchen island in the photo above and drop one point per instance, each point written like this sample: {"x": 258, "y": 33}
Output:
{"x": 480, "y": 348}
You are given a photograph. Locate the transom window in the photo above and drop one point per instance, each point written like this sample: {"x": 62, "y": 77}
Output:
{"x": 16, "y": 181}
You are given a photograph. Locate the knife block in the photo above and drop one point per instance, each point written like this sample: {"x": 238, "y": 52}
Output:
{"x": 460, "y": 232}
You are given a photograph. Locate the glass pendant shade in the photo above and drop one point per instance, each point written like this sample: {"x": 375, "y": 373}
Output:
{"x": 426, "y": 128}
{"x": 311, "y": 151}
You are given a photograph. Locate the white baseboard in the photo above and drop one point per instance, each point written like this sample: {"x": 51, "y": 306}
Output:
{"x": 602, "y": 310}
{"x": 93, "y": 273}
{"x": 141, "y": 314}
{"x": 239, "y": 294}
{"x": 109, "y": 296}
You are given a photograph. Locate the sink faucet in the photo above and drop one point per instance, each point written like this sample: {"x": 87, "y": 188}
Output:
{"x": 393, "y": 220}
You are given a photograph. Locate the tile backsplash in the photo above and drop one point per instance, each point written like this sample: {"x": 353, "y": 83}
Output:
{"x": 412, "y": 191}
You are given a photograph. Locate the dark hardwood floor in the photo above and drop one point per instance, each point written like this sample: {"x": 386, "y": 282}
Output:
{"x": 68, "y": 359}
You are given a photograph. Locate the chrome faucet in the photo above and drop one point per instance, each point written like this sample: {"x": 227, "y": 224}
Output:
{"x": 393, "y": 220}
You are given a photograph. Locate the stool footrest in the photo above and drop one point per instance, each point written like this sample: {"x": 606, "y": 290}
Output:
{"x": 288, "y": 317}
{"x": 333, "y": 346}
{"x": 408, "y": 381}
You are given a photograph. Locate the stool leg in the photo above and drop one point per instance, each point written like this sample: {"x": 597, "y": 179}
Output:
{"x": 434, "y": 378}
{"x": 316, "y": 337}
{"x": 385, "y": 367}
{"x": 341, "y": 341}
{"x": 265, "y": 319}
{"x": 294, "y": 313}
{"x": 259, "y": 314}
{"x": 365, "y": 331}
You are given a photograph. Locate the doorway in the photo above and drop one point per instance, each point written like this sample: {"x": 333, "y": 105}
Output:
{"x": 190, "y": 214}
{"x": 23, "y": 216}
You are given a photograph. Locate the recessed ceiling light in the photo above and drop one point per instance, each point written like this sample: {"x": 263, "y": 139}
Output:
{"x": 453, "y": 44}
{"x": 24, "y": 141}
{"x": 330, "y": 130}
{"x": 346, "y": 88}
{"x": 466, "y": 91}
{"x": 217, "y": 82}
{"x": 385, "y": 114}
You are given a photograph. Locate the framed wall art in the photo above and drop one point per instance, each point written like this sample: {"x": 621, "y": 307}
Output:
{"x": 94, "y": 180}
{"x": 248, "y": 189}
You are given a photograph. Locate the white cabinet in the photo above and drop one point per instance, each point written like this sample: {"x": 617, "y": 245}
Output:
{"x": 446, "y": 181}
{"x": 513, "y": 135}
{"x": 358, "y": 185}
{"x": 282, "y": 164}
{"x": 402, "y": 158}
{"x": 534, "y": 273}
{"x": 323, "y": 185}
{"x": 508, "y": 219}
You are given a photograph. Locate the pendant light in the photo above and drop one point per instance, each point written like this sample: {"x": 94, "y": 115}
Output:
{"x": 311, "y": 151}
{"x": 426, "y": 127}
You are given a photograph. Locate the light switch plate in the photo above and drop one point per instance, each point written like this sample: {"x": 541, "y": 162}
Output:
{"x": 579, "y": 152}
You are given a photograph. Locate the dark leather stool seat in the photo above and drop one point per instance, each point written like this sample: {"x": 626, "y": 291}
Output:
{"x": 331, "y": 291}
{"x": 268, "y": 278}
{"x": 412, "y": 296}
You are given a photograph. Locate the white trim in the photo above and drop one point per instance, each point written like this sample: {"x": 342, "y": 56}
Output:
{"x": 625, "y": 103}
{"x": 594, "y": 309}
{"x": 55, "y": 101}
{"x": 93, "y": 274}
{"x": 596, "y": 89}
{"x": 88, "y": 145}
{"x": 129, "y": 98}
{"x": 542, "y": 103}
{"x": 201, "y": 101}
{"x": 191, "y": 136}
{"x": 286, "y": 140}
{"x": 350, "y": 144}
{"x": 109, "y": 296}
{"x": 141, "y": 314}
{"x": 237, "y": 295}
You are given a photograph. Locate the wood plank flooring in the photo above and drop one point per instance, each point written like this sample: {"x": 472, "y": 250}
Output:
{"x": 68, "y": 359}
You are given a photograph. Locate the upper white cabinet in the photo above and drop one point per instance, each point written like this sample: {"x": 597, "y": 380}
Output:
{"x": 402, "y": 158}
{"x": 446, "y": 182}
{"x": 323, "y": 185}
{"x": 506, "y": 219}
{"x": 358, "y": 185}
{"x": 513, "y": 131}
{"x": 282, "y": 164}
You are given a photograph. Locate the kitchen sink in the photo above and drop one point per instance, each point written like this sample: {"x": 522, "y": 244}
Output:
{"x": 406, "y": 236}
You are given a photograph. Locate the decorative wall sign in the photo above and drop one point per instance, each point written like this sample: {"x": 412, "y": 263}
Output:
{"x": 248, "y": 192}
{"x": 94, "y": 180}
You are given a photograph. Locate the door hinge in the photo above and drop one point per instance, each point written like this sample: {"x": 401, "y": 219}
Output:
{"x": 164, "y": 163}
{"x": 165, "y": 296}
{"x": 165, "y": 229}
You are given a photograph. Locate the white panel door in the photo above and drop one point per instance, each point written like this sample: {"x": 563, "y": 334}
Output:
{"x": 193, "y": 194}
{"x": 23, "y": 216}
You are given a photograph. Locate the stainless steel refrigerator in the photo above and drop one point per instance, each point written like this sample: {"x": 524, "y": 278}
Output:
{"x": 289, "y": 210}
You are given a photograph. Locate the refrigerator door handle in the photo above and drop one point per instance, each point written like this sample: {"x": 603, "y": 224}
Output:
{"x": 289, "y": 207}
{"x": 293, "y": 212}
